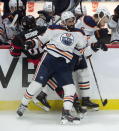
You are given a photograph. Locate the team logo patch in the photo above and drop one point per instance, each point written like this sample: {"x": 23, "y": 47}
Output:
{"x": 67, "y": 39}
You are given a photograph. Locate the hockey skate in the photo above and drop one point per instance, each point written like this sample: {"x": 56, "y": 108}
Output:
{"x": 41, "y": 101}
{"x": 79, "y": 110}
{"x": 88, "y": 104}
{"x": 67, "y": 118}
{"x": 21, "y": 110}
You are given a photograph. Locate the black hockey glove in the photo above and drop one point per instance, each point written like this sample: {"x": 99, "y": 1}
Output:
{"x": 101, "y": 33}
{"x": 103, "y": 47}
{"x": 99, "y": 45}
{"x": 29, "y": 44}
{"x": 95, "y": 46}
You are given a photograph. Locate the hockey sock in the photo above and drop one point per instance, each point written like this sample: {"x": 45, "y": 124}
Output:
{"x": 30, "y": 92}
{"x": 69, "y": 91}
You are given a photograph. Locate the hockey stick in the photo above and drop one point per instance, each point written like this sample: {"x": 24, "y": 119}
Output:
{"x": 15, "y": 18}
{"x": 14, "y": 21}
{"x": 104, "y": 103}
{"x": 81, "y": 6}
{"x": 18, "y": 16}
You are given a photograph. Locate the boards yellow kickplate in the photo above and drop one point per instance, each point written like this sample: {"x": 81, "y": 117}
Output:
{"x": 113, "y": 104}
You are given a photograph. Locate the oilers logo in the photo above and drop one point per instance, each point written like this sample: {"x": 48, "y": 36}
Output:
{"x": 67, "y": 39}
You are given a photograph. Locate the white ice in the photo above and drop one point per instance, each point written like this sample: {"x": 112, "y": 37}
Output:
{"x": 50, "y": 121}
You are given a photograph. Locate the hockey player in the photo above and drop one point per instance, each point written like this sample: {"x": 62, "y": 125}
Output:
{"x": 81, "y": 68}
{"x": 91, "y": 26}
{"x": 44, "y": 19}
{"x": 33, "y": 55}
{"x": 6, "y": 9}
{"x": 114, "y": 26}
{"x": 62, "y": 41}
{"x": 46, "y": 15}
{"x": 10, "y": 25}
{"x": 30, "y": 31}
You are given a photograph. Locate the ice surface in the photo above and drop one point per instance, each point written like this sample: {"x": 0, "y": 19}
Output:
{"x": 50, "y": 121}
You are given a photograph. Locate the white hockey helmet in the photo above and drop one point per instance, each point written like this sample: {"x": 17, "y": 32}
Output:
{"x": 103, "y": 13}
{"x": 13, "y": 4}
{"x": 79, "y": 12}
{"x": 67, "y": 15}
{"x": 49, "y": 7}
{"x": 103, "y": 10}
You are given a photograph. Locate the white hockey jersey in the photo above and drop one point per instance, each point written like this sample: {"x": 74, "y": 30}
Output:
{"x": 114, "y": 26}
{"x": 61, "y": 43}
{"x": 89, "y": 26}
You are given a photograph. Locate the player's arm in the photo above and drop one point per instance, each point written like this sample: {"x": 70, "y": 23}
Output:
{"x": 15, "y": 47}
{"x": 112, "y": 24}
{"x": 39, "y": 41}
{"x": 81, "y": 44}
{"x": 114, "y": 18}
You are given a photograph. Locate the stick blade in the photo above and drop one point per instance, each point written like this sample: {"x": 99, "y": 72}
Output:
{"x": 105, "y": 102}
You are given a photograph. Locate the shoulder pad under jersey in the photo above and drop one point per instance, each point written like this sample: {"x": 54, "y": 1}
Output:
{"x": 88, "y": 20}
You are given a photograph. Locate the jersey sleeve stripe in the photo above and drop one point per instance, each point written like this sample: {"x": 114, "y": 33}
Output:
{"x": 63, "y": 53}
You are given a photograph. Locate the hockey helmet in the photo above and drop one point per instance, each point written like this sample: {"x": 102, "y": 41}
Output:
{"x": 49, "y": 7}
{"x": 67, "y": 15}
{"x": 13, "y": 4}
{"x": 102, "y": 13}
{"x": 28, "y": 22}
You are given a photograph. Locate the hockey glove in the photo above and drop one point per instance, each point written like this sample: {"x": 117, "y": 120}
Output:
{"x": 95, "y": 46}
{"x": 104, "y": 47}
{"x": 15, "y": 50}
{"x": 101, "y": 33}
{"x": 29, "y": 44}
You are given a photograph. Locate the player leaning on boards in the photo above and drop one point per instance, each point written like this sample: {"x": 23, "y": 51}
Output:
{"x": 114, "y": 26}
{"x": 11, "y": 24}
{"x": 58, "y": 53}
{"x": 89, "y": 25}
{"x": 96, "y": 33}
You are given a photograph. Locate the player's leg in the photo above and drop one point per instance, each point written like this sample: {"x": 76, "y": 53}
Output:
{"x": 40, "y": 79}
{"x": 40, "y": 99}
{"x": 84, "y": 85}
{"x": 64, "y": 77}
